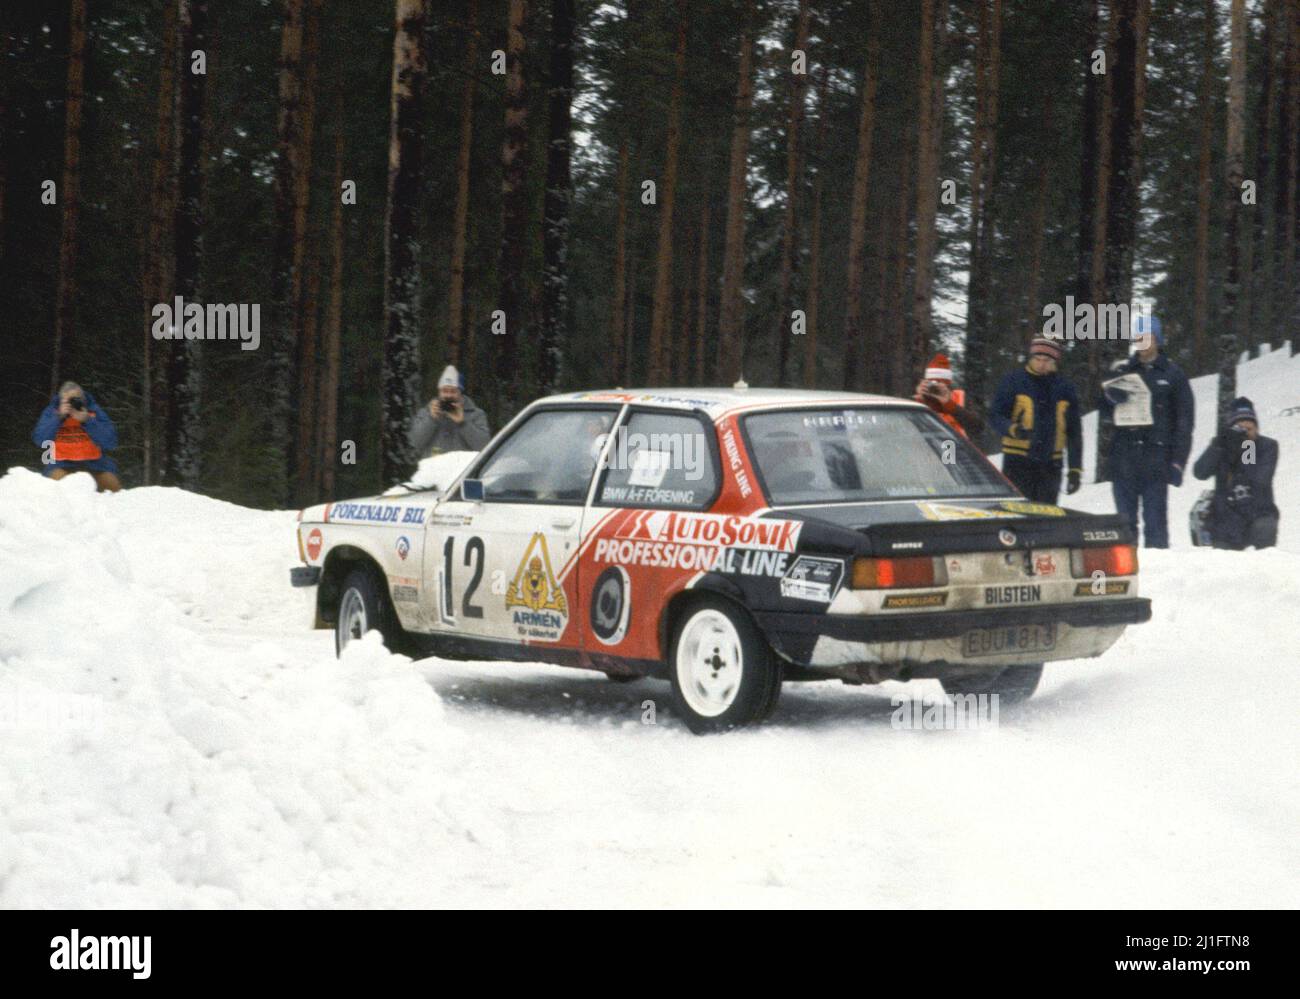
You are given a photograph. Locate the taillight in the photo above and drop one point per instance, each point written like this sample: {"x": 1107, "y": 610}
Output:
{"x": 1114, "y": 560}
{"x": 898, "y": 573}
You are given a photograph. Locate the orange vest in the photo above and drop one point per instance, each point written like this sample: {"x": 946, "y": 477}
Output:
{"x": 72, "y": 443}
{"x": 958, "y": 398}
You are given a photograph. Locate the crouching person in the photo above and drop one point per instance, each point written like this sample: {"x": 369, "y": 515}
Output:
{"x": 1242, "y": 462}
{"x": 77, "y": 434}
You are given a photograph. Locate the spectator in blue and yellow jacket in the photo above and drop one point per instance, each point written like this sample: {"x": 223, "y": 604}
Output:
{"x": 1036, "y": 410}
{"x": 77, "y": 434}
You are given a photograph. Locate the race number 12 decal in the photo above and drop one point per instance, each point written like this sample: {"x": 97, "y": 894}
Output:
{"x": 474, "y": 553}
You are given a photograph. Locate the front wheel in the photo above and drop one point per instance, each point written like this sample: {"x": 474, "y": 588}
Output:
{"x": 362, "y": 607}
{"x": 1012, "y": 684}
{"x": 723, "y": 674}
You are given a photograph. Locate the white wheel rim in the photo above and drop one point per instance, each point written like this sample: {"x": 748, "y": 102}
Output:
{"x": 709, "y": 663}
{"x": 352, "y": 617}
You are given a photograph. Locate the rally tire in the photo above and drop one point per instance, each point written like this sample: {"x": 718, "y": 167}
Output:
{"x": 363, "y": 606}
{"x": 723, "y": 674}
{"x": 1012, "y": 684}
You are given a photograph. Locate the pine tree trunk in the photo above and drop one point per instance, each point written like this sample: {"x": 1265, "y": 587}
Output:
{"x": 793, "y": 185}
{"x": 731, "y": 318}
{"x": 183, "y": 373}
{"x": 1127, "y": 73}
{"x": 1033, "y": 287}
{"x": 402, "y": 249}
{"x": 902, "y": 366}
{"x": 809, "y": 374}
{"x": 1289, "y": 161}
{"x": 456, "y": 332}
{"x": 662, "y": 307}
{"x": 69, "y": 195}
{"x": 327, "y": 456}
{"x": 702, "y": 294}
{"x": 283, "y": 331}
{"x": 512, "y": 297}
{"x": 1101, "y": 212}
{"x": 306, "y": 284}
{"x": 1234, "y": 170}
{"x": 156, "y": 285}
{"x": 1201, "y": 288}
{"x": 855, "y": 349}
{"x": 555, "y": 222}
{"x": 983, "y": 222}
{"x": 618, "y": 311}
{"x": 934, "y": 16}
{"x": 1089, "y": 165}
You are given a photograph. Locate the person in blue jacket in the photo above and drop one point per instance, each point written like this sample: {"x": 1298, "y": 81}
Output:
{"x": 74, "y": 435}
{"x": 1149, "y": 457}
{"x": 1036, "y": 410}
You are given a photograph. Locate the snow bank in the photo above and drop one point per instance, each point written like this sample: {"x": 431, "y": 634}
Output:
{"x": 152, "y": 759}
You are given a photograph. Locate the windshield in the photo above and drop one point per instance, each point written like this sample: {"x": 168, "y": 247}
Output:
{"x": 852, "y": 455}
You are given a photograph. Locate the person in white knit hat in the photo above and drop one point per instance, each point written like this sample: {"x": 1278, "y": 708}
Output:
{"x": 451, "y": 421}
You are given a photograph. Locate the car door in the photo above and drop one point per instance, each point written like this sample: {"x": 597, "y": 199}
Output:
{"x": 504, "y": 568}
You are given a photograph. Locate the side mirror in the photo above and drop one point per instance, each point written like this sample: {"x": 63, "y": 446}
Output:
{"x": 472, "y": 490}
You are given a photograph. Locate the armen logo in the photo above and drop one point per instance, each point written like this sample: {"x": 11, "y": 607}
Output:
{"x": 77, "y": 953}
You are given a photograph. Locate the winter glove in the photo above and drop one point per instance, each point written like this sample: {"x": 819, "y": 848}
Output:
{"x": 1116, "y": 394}
{"x": 1072, "y": 482}
{"x": 1175, "y": 475}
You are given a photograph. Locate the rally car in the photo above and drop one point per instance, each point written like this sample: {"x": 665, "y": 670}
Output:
{"x": 728, "y": 540}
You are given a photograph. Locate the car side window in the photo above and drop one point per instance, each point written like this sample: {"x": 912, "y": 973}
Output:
{"x": 548, "y": 459}
{"x": 661, "y": 460}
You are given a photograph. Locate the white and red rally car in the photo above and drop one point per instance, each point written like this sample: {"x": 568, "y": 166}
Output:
{"x": 729, "y": 540}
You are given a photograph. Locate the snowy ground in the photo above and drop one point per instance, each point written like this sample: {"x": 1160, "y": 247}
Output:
{"x": 172, "y": 735}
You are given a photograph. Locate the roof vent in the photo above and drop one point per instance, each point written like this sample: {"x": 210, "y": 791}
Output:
{"x": 741, "y": 385}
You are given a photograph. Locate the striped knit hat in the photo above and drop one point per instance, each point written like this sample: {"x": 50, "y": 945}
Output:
{"x": 1045, "y": 346}
{"x": 1242, "y": 409}
{"x": 939, "y": 369}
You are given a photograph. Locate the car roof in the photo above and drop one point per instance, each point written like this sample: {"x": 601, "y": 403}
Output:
{"x": 719, "y": 402}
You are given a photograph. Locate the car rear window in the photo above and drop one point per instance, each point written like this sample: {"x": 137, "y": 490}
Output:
{"x": 864, "y": 453}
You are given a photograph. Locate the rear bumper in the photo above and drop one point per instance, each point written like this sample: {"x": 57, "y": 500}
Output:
{"x": 949, "y": 624}
{"x": 875, "y": 647}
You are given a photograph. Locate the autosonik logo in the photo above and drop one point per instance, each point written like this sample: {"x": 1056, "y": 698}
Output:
{"x": 101, "y": 953}
{"x": 610, "y": 604}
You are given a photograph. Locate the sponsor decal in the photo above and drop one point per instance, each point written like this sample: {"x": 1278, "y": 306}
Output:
{"x": 1008, "y": 538}
{"x": 376, "y": 513}
{"x": 949, "y": 511}
{"x": 451, "y": 519}
{"x": 1101, "y": 535}
{"x": 406, "y": 594}
{"x": 812, "y": 578}
{"x": 707, "y": 542}
{"x": 913, "y": 600}
{"x": 1109, "y": 589}
{"x": 953, "y": 565}
{"x": 735, "y": 462}
{"x": 907, "y": 544}
{"x": 403, "y": 547}
{"x": 611, "y": 605}
{"x": 1032, "y": 509}
{"x": 314, "y": 544}
{"x": 1024, "y": 594}
{"x": 541, "y": 610}
{"x": 648, "y": 496}
{"x": 1044, "y": 564}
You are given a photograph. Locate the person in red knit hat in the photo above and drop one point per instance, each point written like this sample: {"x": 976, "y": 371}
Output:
{"x": 936, "y": 391}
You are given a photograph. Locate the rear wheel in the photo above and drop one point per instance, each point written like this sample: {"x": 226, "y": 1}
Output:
{"x": 723, "y": 674}
{"x": 363, "y": 607}
{"x": 1012, "y": 684}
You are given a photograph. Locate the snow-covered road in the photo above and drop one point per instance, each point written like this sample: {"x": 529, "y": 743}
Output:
{"x": 173, "y": 735}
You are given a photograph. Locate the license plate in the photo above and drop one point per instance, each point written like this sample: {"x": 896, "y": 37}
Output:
{"x": 999, "y": 641}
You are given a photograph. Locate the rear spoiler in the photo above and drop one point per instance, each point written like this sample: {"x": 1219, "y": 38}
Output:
{"x": 1074, "y": 530}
